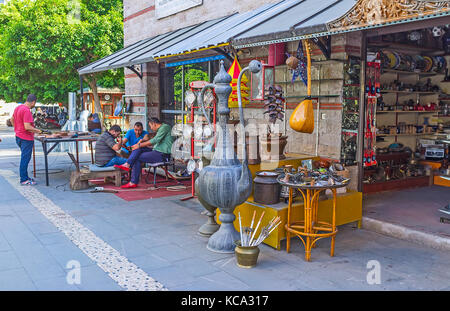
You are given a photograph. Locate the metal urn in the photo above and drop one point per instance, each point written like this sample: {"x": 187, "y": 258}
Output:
{"x": 226, "y": 182}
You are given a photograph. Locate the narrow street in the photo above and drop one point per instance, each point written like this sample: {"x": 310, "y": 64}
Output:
{"x": 46, "y": 233}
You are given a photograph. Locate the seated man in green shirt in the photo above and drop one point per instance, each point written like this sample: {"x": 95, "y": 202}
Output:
{"x": 155, "y": 150}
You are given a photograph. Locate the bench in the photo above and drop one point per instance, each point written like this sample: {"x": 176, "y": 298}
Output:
{"x": 79, "y": 178}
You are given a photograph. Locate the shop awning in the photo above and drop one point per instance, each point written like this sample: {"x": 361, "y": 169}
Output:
{"x": 206, "y": 35}
{"x": 288, "y": 20}
{"x": 312, "y": 18}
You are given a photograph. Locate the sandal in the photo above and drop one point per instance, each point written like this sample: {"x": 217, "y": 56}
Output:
{"x": 129, "y": 185}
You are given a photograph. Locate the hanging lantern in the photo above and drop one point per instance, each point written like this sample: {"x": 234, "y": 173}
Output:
{"x": 261, "y": 80}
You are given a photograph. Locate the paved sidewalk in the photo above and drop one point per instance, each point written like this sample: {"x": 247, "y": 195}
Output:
{"x": 158, "y": 240}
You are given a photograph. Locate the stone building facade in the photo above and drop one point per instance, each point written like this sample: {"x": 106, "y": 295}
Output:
{"x": 140, "y": 22}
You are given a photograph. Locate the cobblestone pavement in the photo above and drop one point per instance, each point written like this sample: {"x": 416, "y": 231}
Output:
{"x": 52, "y": 238}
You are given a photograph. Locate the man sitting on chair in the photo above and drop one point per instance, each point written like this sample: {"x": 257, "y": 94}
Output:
{"x": 134, "y": 137}
{"x": 155, "y": 150}
{"x": 107, "y": 147}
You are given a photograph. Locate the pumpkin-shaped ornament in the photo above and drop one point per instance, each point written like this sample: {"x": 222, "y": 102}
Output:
{"x": 302, "y": 119}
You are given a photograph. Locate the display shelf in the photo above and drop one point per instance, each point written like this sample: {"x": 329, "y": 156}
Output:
{"x": 428, "y": 74}
{"x": 404, "y": 47}
{"x": 405, "y": 111}
{"x": 415, "y": 134}
{"x": 396, "y": 184}
{"x": 408, "y": 92}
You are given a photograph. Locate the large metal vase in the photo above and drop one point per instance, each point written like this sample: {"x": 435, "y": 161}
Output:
{"x": 226, "y": 182}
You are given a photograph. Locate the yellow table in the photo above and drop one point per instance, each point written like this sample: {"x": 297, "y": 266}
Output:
{"x": 310, "y": 230}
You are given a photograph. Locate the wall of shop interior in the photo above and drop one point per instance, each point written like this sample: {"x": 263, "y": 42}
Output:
{"x": 326, "y": 138}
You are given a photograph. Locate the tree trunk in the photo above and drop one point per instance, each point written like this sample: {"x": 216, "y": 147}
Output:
{"x": 93, "y": 87}
{"x": 97, "y": 108}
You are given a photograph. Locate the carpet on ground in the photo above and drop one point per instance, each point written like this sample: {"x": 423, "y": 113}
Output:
{"x": 146, "y": 191}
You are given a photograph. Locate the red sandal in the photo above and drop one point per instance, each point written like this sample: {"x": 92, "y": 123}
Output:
{"x": 129, "y": 185}
{"x": 124, "y": 168}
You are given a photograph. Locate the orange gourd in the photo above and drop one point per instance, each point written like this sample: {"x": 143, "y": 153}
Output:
{"x": 302, "y": 119}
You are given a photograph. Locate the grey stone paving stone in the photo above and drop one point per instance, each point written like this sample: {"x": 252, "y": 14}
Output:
{"x": 93, "y": 278}
{"x": 129, "y": 247}
{"x": 150, "y": 262}
{"x": 65, "y": 252}
{"x": 172, "y": 276}
{"x": 53, "y": 238}
{"x": 225, "y": 280}
{"x": 171, "y": 252}
{"x": 4, "y": 245}
{"x": 9, "y": 260}
{"x": 45, "y": 227}
{"x": 196, "y": 267}
{"x": 200, "y": 251}
{"x": 31, "y": 217}
{"x": 16, "y": 232}
{"x": 151, "y": 239}
{"x": 55, "y": 284}
{"x": 199, "y": 285}
{"x": 41, "y": 270}
{"x": 16, "y": 280}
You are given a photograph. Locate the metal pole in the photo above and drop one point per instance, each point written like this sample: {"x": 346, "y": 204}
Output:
{"x": 182, "y": 88}
{"x": 81, "y": 93}
{"x": 362, "y": 110}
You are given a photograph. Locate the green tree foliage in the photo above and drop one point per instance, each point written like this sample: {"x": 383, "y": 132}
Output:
{"x": 44, "y": 42}
{"x": 192, "y": 72}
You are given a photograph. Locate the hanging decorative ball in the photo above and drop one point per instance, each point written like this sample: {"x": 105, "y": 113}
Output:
{"x": 292, "y": 62}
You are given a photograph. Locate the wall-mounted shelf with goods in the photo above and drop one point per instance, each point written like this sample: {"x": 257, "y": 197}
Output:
{"x": 408, "y": 48}
{"x": 414, "y": 134}
{"x": 405, "y": 111}
{"x": 402, "y": 72}
{"x": 408, "y": 92}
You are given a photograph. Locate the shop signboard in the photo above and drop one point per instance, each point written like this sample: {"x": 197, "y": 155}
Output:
{"x": 164, "y": 8}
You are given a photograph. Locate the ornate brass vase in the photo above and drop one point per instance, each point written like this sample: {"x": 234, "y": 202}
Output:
{"x": 226, "y": 182}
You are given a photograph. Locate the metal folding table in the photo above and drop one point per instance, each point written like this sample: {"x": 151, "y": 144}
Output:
{"x": 55, "y": 141}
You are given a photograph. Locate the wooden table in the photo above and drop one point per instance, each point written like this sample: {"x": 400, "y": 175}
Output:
{"x": 55, "y": 141}
{"x": 310, "y": 230}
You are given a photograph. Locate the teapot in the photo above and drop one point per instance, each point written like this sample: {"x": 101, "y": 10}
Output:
{"x": 226, "y": 182}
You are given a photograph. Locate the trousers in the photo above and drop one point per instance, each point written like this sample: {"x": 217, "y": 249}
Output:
{"x": 144, "y": 155}
{"x": 26, "y": 150}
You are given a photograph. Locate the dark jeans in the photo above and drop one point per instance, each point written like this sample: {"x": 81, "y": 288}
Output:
{"x": 26, "y": 149}
{"x": 144, "y": 155}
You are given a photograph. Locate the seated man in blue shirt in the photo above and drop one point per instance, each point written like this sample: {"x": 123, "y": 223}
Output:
{"x": 134, "y": 137}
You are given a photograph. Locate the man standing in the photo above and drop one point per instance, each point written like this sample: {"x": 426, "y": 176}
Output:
{"x": 108, "y": 147}
{"x": 155, "y": 150}
{"x": 23, "y": 123}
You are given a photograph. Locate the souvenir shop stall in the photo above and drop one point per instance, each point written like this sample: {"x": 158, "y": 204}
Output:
{"x": 407, "y": 128}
